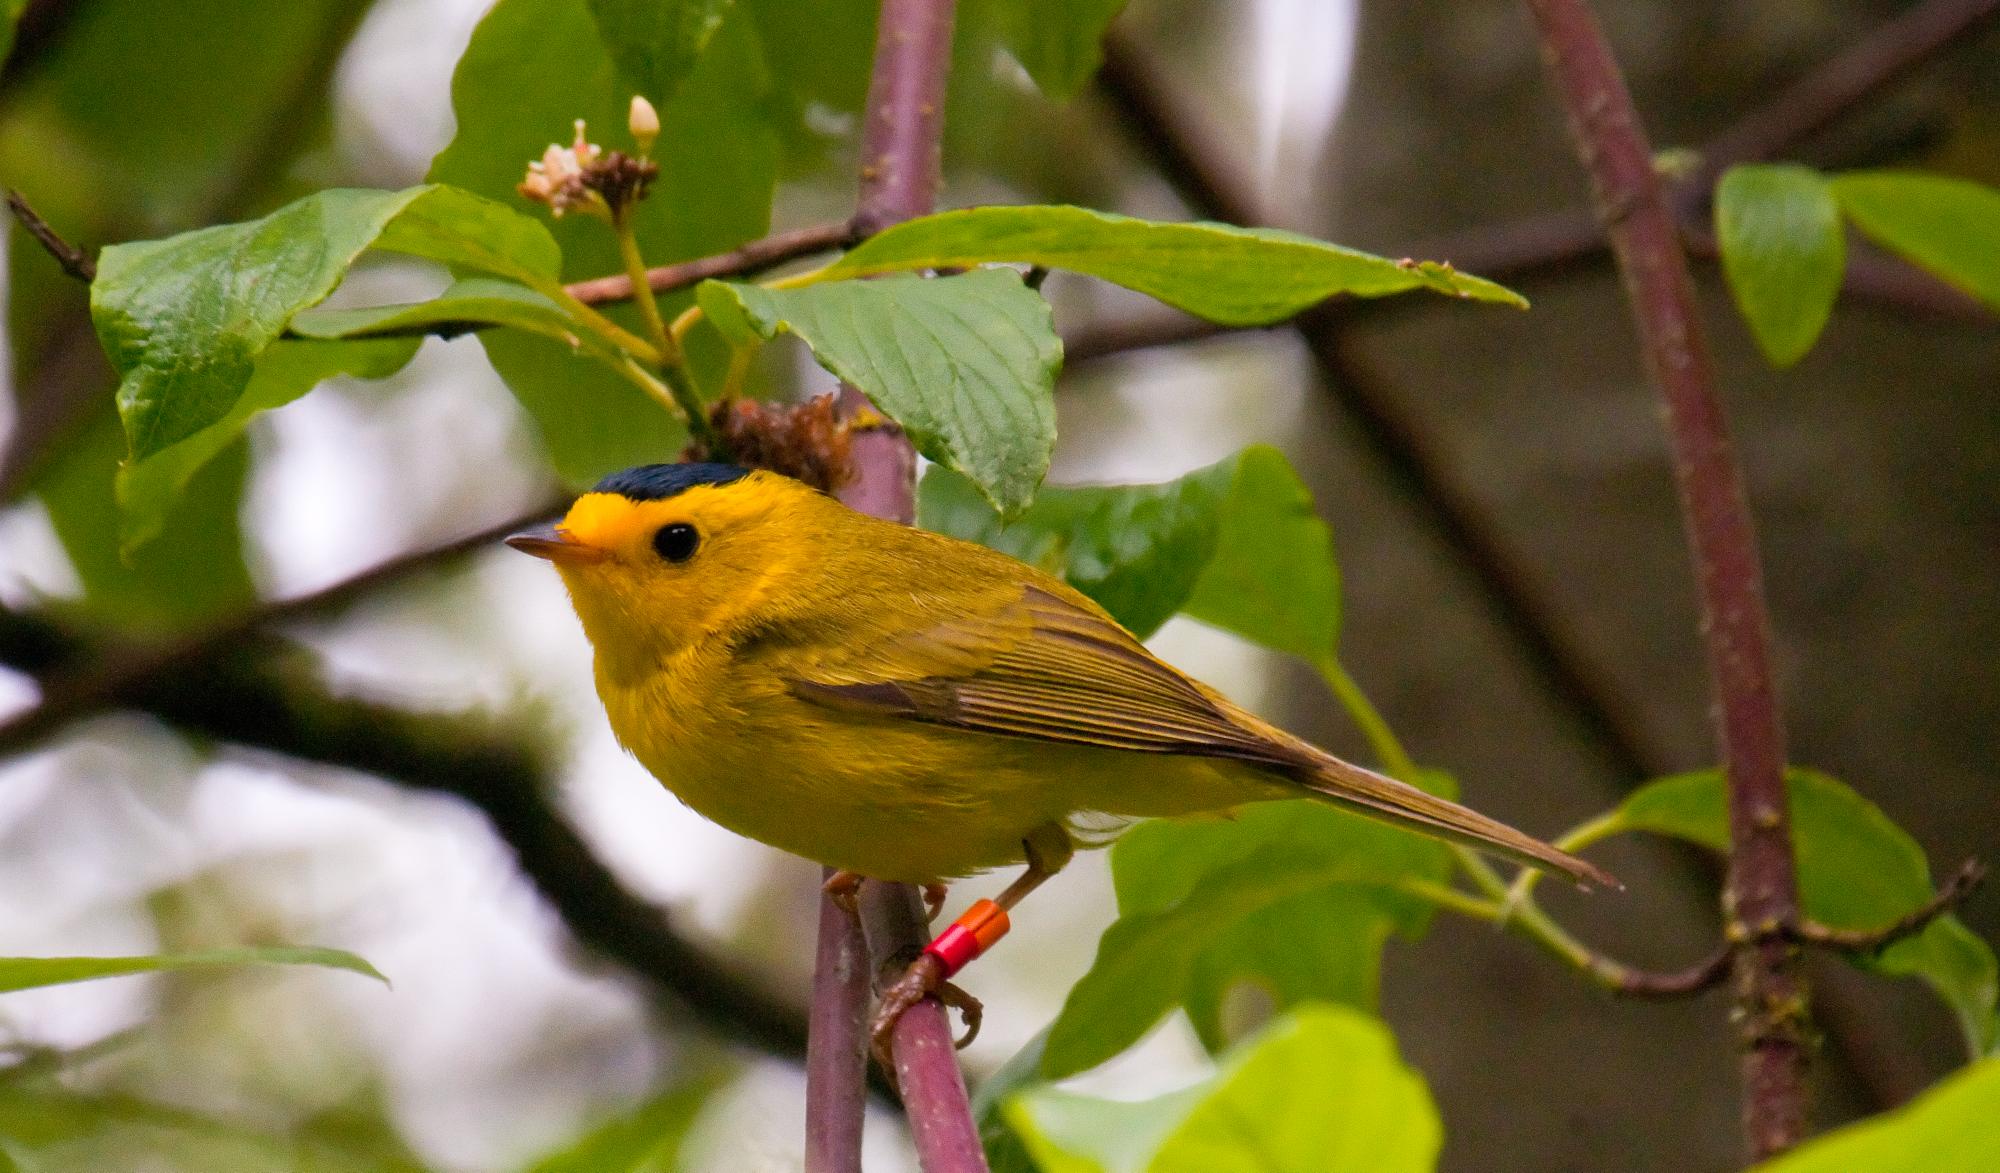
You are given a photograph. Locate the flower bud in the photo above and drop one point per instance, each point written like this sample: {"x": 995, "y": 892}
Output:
{"x": 644, "y": 123}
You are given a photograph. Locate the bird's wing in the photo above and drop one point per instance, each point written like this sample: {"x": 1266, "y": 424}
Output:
{"x": 1034, "y": 665}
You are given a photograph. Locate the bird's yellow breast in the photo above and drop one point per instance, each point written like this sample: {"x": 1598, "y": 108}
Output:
{"x": 893, "y": 799}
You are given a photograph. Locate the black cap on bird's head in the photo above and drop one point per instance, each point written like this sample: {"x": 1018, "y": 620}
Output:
{"x": 657, "y": 482}
{"x": 590, "y": 530}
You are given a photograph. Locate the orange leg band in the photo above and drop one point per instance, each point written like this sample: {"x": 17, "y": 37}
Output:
{"x": 972, "y": 934}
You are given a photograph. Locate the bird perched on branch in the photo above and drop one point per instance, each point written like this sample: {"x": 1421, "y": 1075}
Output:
{"x": 905, "y": 706}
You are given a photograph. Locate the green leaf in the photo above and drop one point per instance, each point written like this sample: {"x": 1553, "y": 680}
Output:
{"x": 464, "y": 306}
{"x": 1138, "y": 550}
{"x": 1206, "y": 905}
{"x": 647, "y": 1139}
{"x": 1235, "y": 544}
{"x": 151, "y": 488}
{"x": 1059, "y": 42}
{"x": 1783, "y": 252}
{"x": 1948, "y": 226}
{"x": 966, "y": 364}
{"x": 1272, "y": 578}
{"x": 531, "y": 68}
{"x": 1321, "y": 1090}
{"x": 1857, "y": 871}
{"x": 1955, "y": 1125}
{"x": 1005, "y": 1151}
{"x": 1064, "y": 1132}
{"x": 25, "y": 973}
{"x": 188, "y": 320}
{"x": 468, "y": 231}
{"x": 184, "y": 319}
{"x": 656, "y": 43}
{"x": 1234, "y": 276}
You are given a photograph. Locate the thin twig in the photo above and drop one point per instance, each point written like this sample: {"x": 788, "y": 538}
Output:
{"x": 742, "y": 261}
{"x": 1698, "y": 978}
{"x": 1884, "y": 57}
{"x": 1762, "y": 886}
{"x": 111, "y": 680}
{"x": 1947, "y": 898}
{"x": 74, "y": 261}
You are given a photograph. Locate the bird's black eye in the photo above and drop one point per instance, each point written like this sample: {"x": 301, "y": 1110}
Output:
{"x": 676, "y": 542}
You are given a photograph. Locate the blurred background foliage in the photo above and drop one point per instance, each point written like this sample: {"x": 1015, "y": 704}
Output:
{"x": 416, "y": 770}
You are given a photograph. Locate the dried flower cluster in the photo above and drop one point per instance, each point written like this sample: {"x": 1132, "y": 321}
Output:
{"x": 583, "y": 177}
{"x": 806, "y": 441}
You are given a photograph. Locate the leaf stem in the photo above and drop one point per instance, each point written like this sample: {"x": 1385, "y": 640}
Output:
{"x": 671, "y": 389}
{"x": 1509, "y": 906}
{"x": 597, "y": 323}
{"x": 1381, "y": 738}
{"x": 649, "y": 307}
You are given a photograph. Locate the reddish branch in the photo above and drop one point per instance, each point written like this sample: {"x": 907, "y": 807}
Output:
{"x": 745, "y": 260}
{"x": 900, "y": 144}
{"x": 1761, "y": 896}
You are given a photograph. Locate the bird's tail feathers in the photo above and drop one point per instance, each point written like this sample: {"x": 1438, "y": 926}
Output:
{"x": 1383, "y": 797}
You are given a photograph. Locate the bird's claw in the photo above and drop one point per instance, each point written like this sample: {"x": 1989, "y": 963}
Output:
{"x": 934, "y": 894}
{"x": 924, "y": 978}
{"x": 844, "y": 889}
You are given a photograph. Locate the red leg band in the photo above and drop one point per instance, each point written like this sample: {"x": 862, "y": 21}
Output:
{"x": 973, "y": 933}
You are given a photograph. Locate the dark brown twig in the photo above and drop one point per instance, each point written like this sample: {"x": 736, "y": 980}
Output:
{"x": 742, "y": 261}
{"x": 111, "y": 680}
{"x": 1710, "y": 972}
{"x": 1700, "y": 977}
{"x": 74, "y": 261}
{"x": 250, "y": 691}
{"x": 1888, "y": 54}
{"x": 1761, "y": 898}
{"x": 1947, "y": 898}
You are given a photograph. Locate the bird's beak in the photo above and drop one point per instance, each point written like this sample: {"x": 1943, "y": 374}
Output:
{"x": 556, "y": 544}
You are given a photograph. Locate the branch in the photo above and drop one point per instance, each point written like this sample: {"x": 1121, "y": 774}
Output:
{"x": 254, "y": 693}
{"x": 836, "y": 1059}
{"x": 71, "y": 693}
{"x": 744, "y": 260}
{"x": 1885, "y": 56}
{"x": 74, "y": 261}
{"x": 1955, "y": 892}
{"x": 902, "y": 126}
{"x": 1700, "y": 977}
{"x": 1762, "y": 889}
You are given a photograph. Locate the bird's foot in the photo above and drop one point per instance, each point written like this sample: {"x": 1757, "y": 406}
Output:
{"x": 844, "y": 889}
{"x": 934, "y": 894}
{"x": 922, "y": 979}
